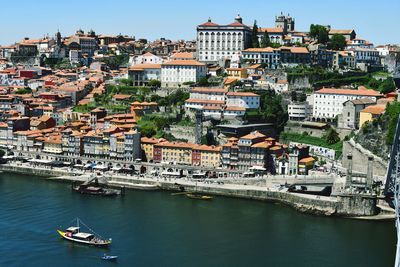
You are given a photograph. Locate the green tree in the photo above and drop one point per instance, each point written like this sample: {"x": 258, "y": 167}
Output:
{"x": 2, "y": 153}
{"x": 148, "y": 130}
{"x": 387, "y": 86}
{"x": 338, "y": 42}
{"x": 254, "y": 37}
{"x": 332, "y": 137}
{"x": 154, "y": 83}
{"x": 320, "y": 33}
{"x": 293, "y": 95}
{"x": 272, "y": 110}
{"x": 302, "y": 97}
{"x": 392, "y": 112}
{"x": 265, "y": 42}
{"x": 203, "y": 81}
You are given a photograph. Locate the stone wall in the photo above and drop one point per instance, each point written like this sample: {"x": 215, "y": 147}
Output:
{"x": 299, "y": 82}
{"x": 342, "y": 205}
{"x": 30, "y": 171}
{"x": 360, "y": 157}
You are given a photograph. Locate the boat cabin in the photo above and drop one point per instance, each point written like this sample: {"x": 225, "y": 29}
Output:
{"x": 73, "y": 230}
{"x": 84, "y": 236}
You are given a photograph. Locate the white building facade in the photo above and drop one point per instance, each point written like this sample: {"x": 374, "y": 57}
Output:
{"x": 147, "y": 58}
{"x": 217, "y": 42}
{"x": 299, "y": 111}
{"x": 268, "y": 56}
{"x": 177, "y": 72}
{"x": 328, "y": 102}
{"x": 243, "y": 99}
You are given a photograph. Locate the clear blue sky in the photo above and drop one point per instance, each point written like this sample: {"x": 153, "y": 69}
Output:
{"x": 373, "y": 20}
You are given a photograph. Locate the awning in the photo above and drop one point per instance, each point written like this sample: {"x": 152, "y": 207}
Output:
{"x": 171, "y": 173}
{"x": 90, "y": 165}
{"x": 100, "y": 167}
{"x": 258, "y": 168}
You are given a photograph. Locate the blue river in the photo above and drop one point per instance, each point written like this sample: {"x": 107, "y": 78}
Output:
{"x": 158, "y": 229}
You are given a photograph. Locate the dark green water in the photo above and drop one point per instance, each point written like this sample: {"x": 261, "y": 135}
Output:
{"x": 157, "y": 229}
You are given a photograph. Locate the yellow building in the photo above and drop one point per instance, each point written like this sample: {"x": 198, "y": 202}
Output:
{"x": 148, "y": 146}
{"x": 53, "y": 144}
{"x": 306, "y": 164}
{"x": 238, "y": 73}
{"x": 371, "y": 112}
{"x": 206, "y": 156}
{"x": 176, "y": 152}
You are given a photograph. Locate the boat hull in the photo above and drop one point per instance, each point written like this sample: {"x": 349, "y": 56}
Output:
{"x": 199, "y": 197}
{"x": 109, "y": 193}
{"x": 89, "y": 243}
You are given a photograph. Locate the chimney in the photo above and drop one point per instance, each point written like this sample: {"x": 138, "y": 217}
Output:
{"x": 370, "y": 174}
{"x": 349, "y": 170}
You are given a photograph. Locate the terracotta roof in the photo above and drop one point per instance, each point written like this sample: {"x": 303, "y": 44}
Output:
{"x": 148, "y": 54}
{"x": 183, "y": 63}
{"x": 253, "y": 135}
{"x": 261, "y": 145}
{"x": 208, "y": 90}
{"x": 271, "y": 30}
{"x": 307, "y": 160}
{"x": 175, "y": 145}
{"x": 145, "y": 66}
{"x": 333, "y": 31}
{"x": 212, "y": 108}
{"x": 295, "y": 50}
{"x": 260, "y": 50}
{"x": 375, "y": 109}
{"x": 237, "y": 24}
{"x": 201, "y": 101}
{"x": 230, "y": 81}
{"x": 231, "y": 108}
{"x": 361, "y": 92}
{"x": 209, "y": 24}
{"x": 151, "y": 140}
{"x": 180, "y": 55}
{"x": 207, "y": 148}
{"x": 255, "y": 66}
{"x": 241, "y": 94}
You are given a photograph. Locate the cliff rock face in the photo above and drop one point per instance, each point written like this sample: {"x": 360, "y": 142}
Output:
{"x": 299, "y": 82}
{"x": 372, "y": 136}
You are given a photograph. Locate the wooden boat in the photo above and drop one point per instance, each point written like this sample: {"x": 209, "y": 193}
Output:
{"x": 92, "y": 187}
{"x": 96, "y": 190}
{"x": 74, "y": 234}
{"x": 109, "y": 257}
{"x": 195, "y": 195}
{"x": 198, "y": 196}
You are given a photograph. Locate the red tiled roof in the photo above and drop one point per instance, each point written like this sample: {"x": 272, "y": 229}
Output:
{"x": 241, "y": 94}
{"x": 183, "y": 63}
{"x": 361, "y": 92}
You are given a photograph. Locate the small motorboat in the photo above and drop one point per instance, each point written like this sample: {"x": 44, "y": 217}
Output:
{"x": 109, "y": 257}
{"x": 198, "y": 196}
{"x": 74, "y": 234}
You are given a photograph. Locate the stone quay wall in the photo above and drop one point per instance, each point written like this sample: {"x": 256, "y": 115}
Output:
{"x": 342, "y": 205}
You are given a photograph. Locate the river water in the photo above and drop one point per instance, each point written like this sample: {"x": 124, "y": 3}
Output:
{"x": 157, "y": 229}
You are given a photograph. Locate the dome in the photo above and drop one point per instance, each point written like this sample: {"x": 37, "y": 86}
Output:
{"x": 239, "y": 19}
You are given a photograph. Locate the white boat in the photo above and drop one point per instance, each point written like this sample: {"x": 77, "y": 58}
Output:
{"x": 74, "y": 234}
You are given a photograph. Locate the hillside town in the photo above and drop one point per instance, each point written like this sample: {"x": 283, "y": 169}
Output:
{"x": 258, "y": 100}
